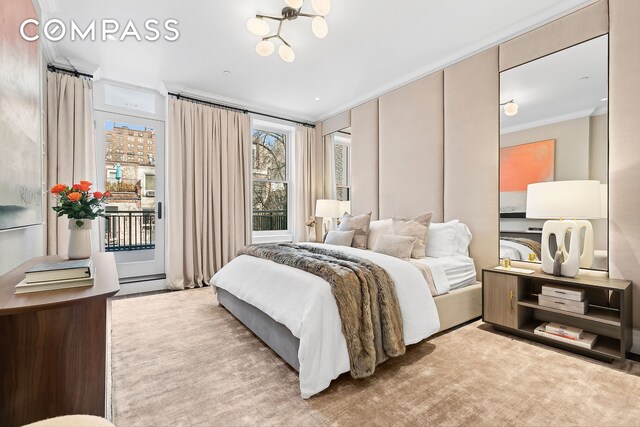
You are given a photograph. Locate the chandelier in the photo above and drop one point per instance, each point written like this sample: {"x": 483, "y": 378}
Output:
{"x": 260, "y": 27}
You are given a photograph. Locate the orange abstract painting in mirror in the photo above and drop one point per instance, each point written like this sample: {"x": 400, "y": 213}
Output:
{"x": 526, "y": 164}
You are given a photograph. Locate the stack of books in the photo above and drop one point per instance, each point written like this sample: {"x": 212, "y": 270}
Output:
{"x": 59, "y": 275}
{"x": 567, "y": 334}
{"x": 563, "y": 298}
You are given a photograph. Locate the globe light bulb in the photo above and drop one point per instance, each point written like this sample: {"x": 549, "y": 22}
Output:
{"x": 321, "y": 7}
{"x": 511, "y": 108}
{"x": 258, "y": 27}
{"x": 265, "y": 48}
{"x": 319, "y": 27}
{"x": 296, "y": 4}
{"x": 286, "y": 53}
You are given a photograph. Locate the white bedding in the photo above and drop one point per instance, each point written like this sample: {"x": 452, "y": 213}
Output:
{"x": 458, "y": 271}
{"x": 514, "y": 250}
{"x": 304, "y": 303}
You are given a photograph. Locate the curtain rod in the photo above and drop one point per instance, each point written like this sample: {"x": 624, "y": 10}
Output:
{"x": 64, "y": 70}
{"x": 228, "y": 107}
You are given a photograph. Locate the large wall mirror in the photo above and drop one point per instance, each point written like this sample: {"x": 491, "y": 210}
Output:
{"x": 554, "y": 127}
{"x": 338, "y": 156}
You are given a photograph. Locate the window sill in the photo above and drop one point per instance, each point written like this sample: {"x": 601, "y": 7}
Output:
{"x": 273, "y": 238}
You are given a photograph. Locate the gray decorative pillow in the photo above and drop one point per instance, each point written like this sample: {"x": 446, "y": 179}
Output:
{"x": 360, "y": 224}
{"x": 396, "y": 246}
{"x": 417, "y": 227}
{"x": 340, "y": 238}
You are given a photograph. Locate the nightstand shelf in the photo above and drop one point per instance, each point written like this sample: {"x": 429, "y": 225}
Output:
{"x": 510, "y": 303}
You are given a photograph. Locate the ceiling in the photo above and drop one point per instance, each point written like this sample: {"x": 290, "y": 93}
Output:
{"x": 567, "y": 84}
{"x": 372, "y": 47}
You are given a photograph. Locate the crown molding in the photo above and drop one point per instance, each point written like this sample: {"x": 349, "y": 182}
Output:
{"x": 549, "y": 121}
{"x": 548, "y": 15}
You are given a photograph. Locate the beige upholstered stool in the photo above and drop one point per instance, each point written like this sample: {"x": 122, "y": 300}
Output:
{"x": 72, "y": 421}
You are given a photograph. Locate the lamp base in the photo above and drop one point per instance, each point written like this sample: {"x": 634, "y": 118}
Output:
{"x": 557, "y": 230}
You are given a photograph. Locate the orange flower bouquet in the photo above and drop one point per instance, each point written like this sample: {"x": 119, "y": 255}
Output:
{"x": 78, "y": 202}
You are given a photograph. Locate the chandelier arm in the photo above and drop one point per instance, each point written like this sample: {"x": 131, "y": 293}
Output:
{"x": 504, "y": 103}
{"x": 280, "y": 19}
{"x": 279, "y": 27}
{"x": 284, "y": 41}
{"x": 309, "y": 15}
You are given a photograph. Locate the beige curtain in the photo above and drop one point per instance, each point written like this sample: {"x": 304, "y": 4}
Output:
{"x": 71, "y": 150}
{"x": 209, "y": 204}
{"x": 305, "y": 181}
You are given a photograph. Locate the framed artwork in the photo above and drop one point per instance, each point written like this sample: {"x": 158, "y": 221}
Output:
{"x": 20, "y": 146}
{"x": 521, "y": 165}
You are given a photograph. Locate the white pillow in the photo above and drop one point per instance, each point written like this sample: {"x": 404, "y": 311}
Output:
{"x": 340, "y": 238}
{"x": 442, "y": 239}
{"x": 463, "y": 239}
{"x": 377, "y": 229}
{"x": 395, "y": 246}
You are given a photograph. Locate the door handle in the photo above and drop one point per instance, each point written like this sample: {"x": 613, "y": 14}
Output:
{"x": 511, "y": 299}
{"x": 159, "y": 210}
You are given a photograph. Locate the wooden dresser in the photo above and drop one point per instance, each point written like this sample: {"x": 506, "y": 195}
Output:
{"x": 510, "y": 303}
{"x": 53, "y": 346}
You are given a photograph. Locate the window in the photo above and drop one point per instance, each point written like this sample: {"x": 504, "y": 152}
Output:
{"x": 271, "y": 188}
{"x": 342, "y": 166}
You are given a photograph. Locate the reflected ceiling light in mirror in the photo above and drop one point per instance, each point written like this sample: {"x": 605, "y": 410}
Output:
{"x": 510, "y": 108}
{"x": 259, "y": 27}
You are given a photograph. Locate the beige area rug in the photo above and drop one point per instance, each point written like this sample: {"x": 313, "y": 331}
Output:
{"x": 180, "y": 360}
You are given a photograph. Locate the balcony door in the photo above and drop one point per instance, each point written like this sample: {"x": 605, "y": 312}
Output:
{"x": 131, "y": 166}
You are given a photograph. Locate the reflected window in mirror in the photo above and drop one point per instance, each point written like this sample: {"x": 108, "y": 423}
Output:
{"x": 553, "y": 127}
{"x": 341, "y": 164}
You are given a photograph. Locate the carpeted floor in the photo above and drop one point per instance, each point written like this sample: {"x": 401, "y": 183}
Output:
{"x": 180, "y": 359}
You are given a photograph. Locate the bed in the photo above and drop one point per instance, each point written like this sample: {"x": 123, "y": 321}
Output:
{"x": 302, "y": 325}
{"x": 519, "y": 248}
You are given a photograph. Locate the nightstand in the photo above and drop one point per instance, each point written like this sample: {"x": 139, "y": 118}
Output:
{"x": 510, "y": 304}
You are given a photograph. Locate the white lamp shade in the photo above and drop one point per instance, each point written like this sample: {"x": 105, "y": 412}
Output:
{"x": 327, "y": 208}
{"x": 564, "y": 199}
{"x": 511, "y": 109}
{"x": 319, "y": 27}
{"x": 321, "y": 7}
{"x": 345, "y": 207}
{"x": 286, "y": 53}
{"x": 258, "y": 27}
{"x": 296, "y": 4}
{"x": 265, "y": 48}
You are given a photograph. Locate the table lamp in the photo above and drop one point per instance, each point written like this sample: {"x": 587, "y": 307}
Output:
{"x": 328, "y": 210}
{"x": 578, "y": 201}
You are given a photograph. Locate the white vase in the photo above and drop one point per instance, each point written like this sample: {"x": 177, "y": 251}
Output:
{"x": 312, "y": 234}
{"x": 79, "y": 239}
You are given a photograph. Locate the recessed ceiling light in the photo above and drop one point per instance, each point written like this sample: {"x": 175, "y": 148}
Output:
{"x": 317, "y": 98}
{"x": 604, "y": 99}
{"x": 584, "y": 78}
{"x": 226, "y": 72}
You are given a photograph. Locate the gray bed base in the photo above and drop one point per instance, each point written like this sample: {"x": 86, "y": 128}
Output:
{"x": 454, "y": 308}
{"x": 274, "y": 334}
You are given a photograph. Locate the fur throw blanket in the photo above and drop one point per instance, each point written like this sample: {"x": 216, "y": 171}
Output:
{"x": 365, "y": 295}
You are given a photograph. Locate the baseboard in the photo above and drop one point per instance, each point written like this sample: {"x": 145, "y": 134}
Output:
{"x": 143, "y": 286}
{"x": 635, "y": 348}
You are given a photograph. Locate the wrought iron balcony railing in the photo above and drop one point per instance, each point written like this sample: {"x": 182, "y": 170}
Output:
{"x": 269, "y": 220}
{"x": 130, "y": 230}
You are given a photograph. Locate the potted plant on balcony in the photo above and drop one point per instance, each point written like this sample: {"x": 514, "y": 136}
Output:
{"x": 81, "y": 206}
